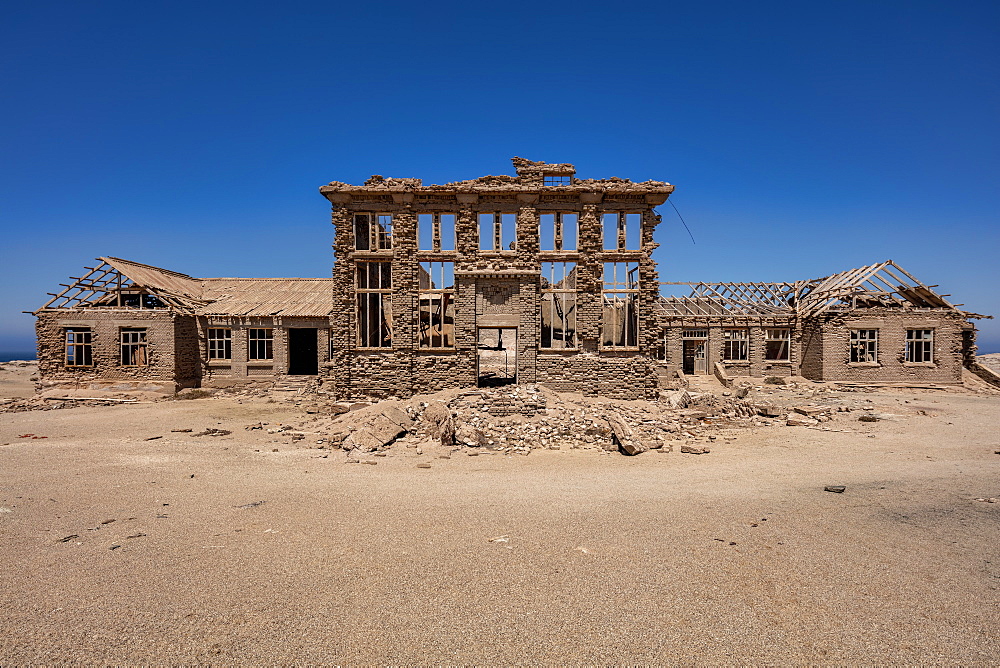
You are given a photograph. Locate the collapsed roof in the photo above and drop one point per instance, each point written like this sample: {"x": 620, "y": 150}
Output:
{"x": 882, "y": 284}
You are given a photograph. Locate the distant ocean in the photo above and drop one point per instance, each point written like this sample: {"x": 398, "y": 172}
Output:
{"x": 8, "y": 355}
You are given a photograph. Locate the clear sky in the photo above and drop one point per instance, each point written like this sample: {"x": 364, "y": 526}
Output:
{"x": 804, "y": 138}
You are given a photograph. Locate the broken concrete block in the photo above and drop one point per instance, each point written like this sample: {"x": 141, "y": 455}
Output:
{"x": 801, "y": 421}
{"x": 813, "y": 410}
{"x": 675, "y": 398}
{"x": 466, "y": 434}
{"x": 694, "y": 450}
{"x": 625, "y": 437}
{"x": 770, "y": 410}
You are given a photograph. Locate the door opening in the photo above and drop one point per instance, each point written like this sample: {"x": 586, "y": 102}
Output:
{"x": 695, "y": 360}
{"x": 303, "y": 352}
{"x": 497, "y": 354}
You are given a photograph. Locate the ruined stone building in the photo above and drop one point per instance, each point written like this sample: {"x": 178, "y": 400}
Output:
{"x": 540, "y": 277}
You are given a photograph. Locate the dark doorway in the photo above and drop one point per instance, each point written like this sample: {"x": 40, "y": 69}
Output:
{"x": 303, "y": 353}
{"x": 497, "y": 356}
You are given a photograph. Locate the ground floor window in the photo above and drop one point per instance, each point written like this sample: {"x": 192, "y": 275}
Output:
{"x": 735, "y": 345}
{"x": 374, "y": 295}
{"x": 776, "y": 344}
{"x": 261, "y": 344}
{"x": 436, "y": 326}
{"x": 620, "y": 313}
{"x": 133, "y": 346}
{"x": 220, "y": 343}
{"x": 864, "y": 345}
{"x": 920, "y": 345}
{"x": 79, "y": 346}
{"x": 558, "y": 305}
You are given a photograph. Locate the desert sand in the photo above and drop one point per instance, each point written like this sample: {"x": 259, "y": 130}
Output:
{"x": 250, "y": 548}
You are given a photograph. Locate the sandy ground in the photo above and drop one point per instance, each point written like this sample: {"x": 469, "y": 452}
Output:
{"x": 738, "y": 556}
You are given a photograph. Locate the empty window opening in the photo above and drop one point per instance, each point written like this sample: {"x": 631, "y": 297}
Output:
{"x": 558, "y": 231}
{"x": 735, "y": 345}
{"x": 303, "y": 351}
{"x": 261, "y": 344}
{"x": 556, "y": 180}
{"x": 220, "y": 343}
{"x": 79, "y": 346}
{"x": 620, "y": 313}
{"x": 133, "y": 346}
{"x": 864, "y": 345}
{"x": 919, "y": 345}
{"x": 622, "y": 231}
{"x": 558, "y": 305}
{"x": 436, "y": 231}
{"x": 497, "y": 231}
{"x": 497, "y": 356}
{"x": 436, "y": 315}
{"x": 374, "y": 295}
{"x": 139, "y": 300}
{"x": 372, "y": 232}
{"x": 777, "y": 343}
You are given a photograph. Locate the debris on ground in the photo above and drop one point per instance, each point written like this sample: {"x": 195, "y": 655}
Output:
{"x": 836, "y": 489}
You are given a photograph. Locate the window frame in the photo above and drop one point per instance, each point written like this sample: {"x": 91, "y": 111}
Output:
{"x": 769, "y": 337}
{"x": 559, "y": 225}
{"x": 378, "y": 232}
{"x": 214, "y": 342}
{"x": 498, "y": 231}
{"x": 559, "y": 295}
{"x": 625, "y": 234}
{"x": 867, "y": 343}
{"x": 625, "y": 292}
{"x": 925, "y": 344}
{"x": 438, "y": 228}
{"x": 135, "y": 349}
{"x": 738, "y": 339}
{"x": 83, "y": 348}
{"x": 255, "y": 341}
{"x": 363, "y": 299}
{"x": 444, "y": 296}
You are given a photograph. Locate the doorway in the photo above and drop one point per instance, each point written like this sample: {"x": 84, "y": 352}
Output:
{"x": 497, "y": 356}
{"x": 303, "y": 351}
{"x": 695, "y": 358}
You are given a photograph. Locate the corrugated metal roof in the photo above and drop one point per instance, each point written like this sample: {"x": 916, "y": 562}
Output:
{"x": 155, "y": 278}
{"x": 303, "y": 297}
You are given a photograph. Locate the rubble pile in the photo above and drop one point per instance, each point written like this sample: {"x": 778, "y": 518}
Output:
{"x": 520, "y": 418}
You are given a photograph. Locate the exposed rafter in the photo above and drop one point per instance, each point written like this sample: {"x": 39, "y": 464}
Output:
{"x": 881, "y": 284}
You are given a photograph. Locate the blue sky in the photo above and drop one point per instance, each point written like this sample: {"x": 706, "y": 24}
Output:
{"x": 803, "y": 138}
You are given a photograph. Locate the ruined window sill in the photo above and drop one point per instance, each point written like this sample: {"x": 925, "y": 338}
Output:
{"x": 556, "y": 351}
{"x": 385, "y": 349}
{"x": 219, "y": 361}
{"x": 623, "y": 349}
{"x": 926, "y": 365}
{"x": 862, "y": 365}
{"x": 269, "y": 362}
{"x": 736, "y": 362}
{"x": 777, "y": 361}
{"x": 435, "y": 350}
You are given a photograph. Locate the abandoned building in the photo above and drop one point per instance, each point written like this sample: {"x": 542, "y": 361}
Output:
{"x": 539, "y": 278}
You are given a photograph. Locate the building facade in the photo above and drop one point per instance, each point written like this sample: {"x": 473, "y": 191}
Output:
{"x": 540, "y": 277}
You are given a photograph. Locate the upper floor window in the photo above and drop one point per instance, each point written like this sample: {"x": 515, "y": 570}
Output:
{"x": 622, "y": 231}
{"x": 436, "y": 231}
{"x": 372, "y": 231}
{"x": 220, "y": 343}
{"x": 556, "y": 180}
{"x": 864, "y": 345}
{"x": 557, "y": 231}
{"x": 133, "y": 346}
{"x": 497, "y": 231}
{"x": 776, "y": 344}
{"x": 79, "y": 346}
{"x": 919, "y": 345}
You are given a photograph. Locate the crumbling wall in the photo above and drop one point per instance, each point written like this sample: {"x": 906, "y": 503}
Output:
{"x": 891, "y": 366}
{"x": 107, "y": 372}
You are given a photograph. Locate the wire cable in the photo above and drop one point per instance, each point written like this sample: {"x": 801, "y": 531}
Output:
{"x": 682, "y": 222}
